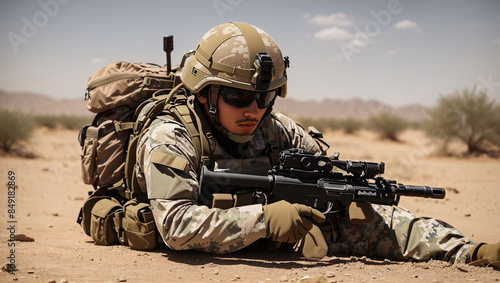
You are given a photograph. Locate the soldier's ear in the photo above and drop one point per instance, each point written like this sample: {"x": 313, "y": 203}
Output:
{"x": 202, "y": 98}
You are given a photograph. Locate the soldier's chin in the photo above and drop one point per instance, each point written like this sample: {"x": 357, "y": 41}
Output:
{"x": 246, "y": 130}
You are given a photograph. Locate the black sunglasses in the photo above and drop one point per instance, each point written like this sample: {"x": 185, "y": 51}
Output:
{"x": 244, "y": 98}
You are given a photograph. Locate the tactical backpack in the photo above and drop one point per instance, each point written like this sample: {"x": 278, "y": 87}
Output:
{"x": 126, "y": 98}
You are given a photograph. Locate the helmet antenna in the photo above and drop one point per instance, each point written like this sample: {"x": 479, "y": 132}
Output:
{"x": 168, "y": 47}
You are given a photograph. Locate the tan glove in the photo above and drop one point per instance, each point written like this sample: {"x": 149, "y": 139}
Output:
{"x": 485, "y": 254}
{"x": 286, "y": 222}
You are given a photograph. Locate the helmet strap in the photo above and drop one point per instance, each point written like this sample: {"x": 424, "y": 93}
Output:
{"x": 213, "y": 98}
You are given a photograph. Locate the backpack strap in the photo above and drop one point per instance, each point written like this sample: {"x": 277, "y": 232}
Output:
{"x": 184, "y": 111}
{"x": 177, "y": 105}
{"x": 132, "y": 188}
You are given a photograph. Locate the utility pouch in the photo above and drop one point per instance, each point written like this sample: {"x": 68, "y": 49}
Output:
{"x": 103, "y": 155}
{"x": 139, "y": 225}
{"x": 103, "y": 228}
{"x": 89, "y": 153}
{"x": 86, "y": 212}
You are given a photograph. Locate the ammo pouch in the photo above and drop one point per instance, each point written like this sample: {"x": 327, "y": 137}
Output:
{"x": 139, "y": 225}
{"x": 105, "y": 221}
{"x": 100, "y": 218}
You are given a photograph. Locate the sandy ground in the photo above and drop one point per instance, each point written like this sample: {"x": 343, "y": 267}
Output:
{"x": 50, "y": 193}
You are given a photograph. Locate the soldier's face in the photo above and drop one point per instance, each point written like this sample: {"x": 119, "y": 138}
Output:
{"x": 241, "y": 121}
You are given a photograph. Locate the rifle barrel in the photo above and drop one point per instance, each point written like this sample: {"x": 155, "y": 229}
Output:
{"x": 420, "y": 191}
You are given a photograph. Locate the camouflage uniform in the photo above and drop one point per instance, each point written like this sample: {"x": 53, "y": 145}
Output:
{"x": 181, "y": 221}
{"x": 185, "y": 224}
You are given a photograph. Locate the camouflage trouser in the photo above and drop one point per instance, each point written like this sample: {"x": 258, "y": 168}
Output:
{"x": 398, "y": 235}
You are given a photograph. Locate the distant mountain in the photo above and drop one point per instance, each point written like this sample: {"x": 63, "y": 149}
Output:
{"x": 354, "y": 108}
{"x": 38, "y": 104}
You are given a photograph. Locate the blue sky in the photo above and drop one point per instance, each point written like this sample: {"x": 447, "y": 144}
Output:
{"x": 399, "y": 52}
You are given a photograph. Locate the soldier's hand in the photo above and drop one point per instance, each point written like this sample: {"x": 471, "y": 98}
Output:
{"x": 287, "y": 222}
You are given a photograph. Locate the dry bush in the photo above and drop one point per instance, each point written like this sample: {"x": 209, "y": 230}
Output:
{"x": 62, "y": 121}
{"x": 351, "y": 125}
{"x": 469, "y": 116}
{"x": 14, "y": 128}
{"x": 387, "y": 125}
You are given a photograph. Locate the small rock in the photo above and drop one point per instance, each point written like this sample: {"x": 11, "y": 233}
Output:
{"x": 122, "y": 279}
{"x": 330, "y": 275}
{"x": 284, "y": 279}
{"x": 63, "y": 281}
{"x": 216, "y": 272}
{"x": 24, "y": 238}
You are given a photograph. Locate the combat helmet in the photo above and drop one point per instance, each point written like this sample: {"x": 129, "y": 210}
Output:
{"x": 237, "y": 55}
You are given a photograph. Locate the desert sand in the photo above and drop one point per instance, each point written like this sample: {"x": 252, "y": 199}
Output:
{"x": 50, "y": 192}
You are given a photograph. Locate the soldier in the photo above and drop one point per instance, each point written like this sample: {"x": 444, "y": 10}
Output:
{"x": 237, "y": 72}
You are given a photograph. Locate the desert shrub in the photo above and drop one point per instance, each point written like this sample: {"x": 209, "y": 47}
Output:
{"x": 74, "y": 122}
{"x": 63, "y": 121}
{"x": 415, "y": 125}
{"x": 14, "y": 127}
{"x": 351, "y": 125}
{"x": 387, "y": 125}
{"x": 469, "y": 116}
{"x": 48, "y": 121}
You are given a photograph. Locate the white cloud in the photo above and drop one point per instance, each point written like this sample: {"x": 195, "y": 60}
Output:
{"x": 407, "y": 25}
{"x": 336, "y": 58}
{"x": 390, "y": 53}
{"x": 337, "y": 19}
{"x": 98, "y": 61}
{"x": 333, "y": 33}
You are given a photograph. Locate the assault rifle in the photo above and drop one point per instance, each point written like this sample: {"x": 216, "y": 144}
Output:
{"x": 302, "y": 177}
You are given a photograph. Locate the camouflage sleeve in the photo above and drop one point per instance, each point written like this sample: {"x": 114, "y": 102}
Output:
{"x": 296, "y": 136}
{"x": 168, "y": 162}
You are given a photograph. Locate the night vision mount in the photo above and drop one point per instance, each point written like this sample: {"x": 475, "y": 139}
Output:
{"x": 264, "y": 71}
